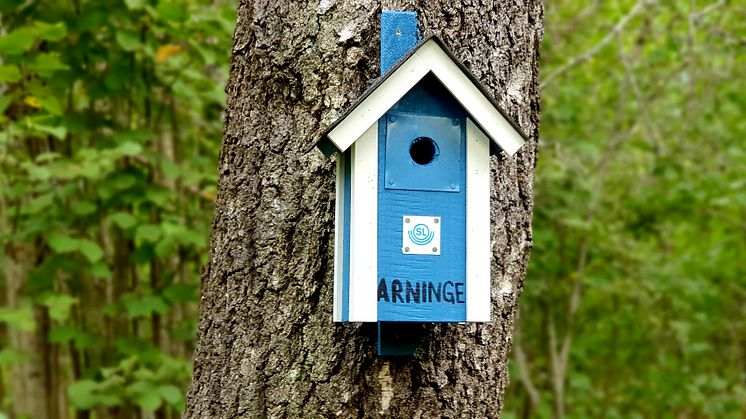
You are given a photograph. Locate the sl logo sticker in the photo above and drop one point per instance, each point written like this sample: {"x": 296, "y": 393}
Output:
{"x": 421, "y": 234}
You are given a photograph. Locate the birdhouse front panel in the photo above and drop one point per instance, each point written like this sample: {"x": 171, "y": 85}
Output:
{"x": 422, "y": 208}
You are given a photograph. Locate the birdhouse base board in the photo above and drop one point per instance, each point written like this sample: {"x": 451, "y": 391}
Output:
{"x": 399, "y": 338}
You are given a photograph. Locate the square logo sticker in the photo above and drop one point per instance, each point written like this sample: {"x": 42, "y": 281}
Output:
{"x": 420, "y": 235}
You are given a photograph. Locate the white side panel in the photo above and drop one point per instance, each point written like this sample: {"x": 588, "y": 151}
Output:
{"x": 364, "y": 228}
{"x": 339, "y": 238}
{"x": 379, "y": 102}
{"x": 478, "y": 301}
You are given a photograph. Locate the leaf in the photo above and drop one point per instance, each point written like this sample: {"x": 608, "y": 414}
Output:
{"x": 135, "y": 4}
{"x": 165, "y": 247}
{"x": 81, "y": 394}
{"x": 173, "y": 12}
{"x": 148, "y": 232}
{"x": 17, "y": 42}
{"x": 59, "y": 305}
{"x": 9, "y": 356}
{"x": 129, "y": 149}
{"x": 91, "y": 250}
{"x": 172, "y": 394}
{"x": 164, "y": 52}
{"x": 51, "y": 104}
{"x": 46, "y": 64}
{"x": 51, "y": 31}
{"x": 61, "y": 243}
{"x": 158, "y": 195}
{"x": 59, "y": 131}
{"x": 101, "y": 270}
{"x": 170, "y": 169}
{"x": 19, "y": 318}
{"x": 5, "y": 102}
{"x": 145, "y": 306}
{"x": 84, "y": 208}
{"x": 148, "y": 400}
{"x": 128, "y": 40}
{"x": 124, "y": 220}
{"x": 32, "y": 101}
{"x": 40, "y": 173}
{"x": 9, "y": 74}
{"x": 62, "y": 334}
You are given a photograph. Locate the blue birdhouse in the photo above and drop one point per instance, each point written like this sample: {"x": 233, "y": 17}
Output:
{"x": 412, "y": 231}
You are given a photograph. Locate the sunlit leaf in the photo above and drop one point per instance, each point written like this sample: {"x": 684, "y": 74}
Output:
{"x": 174, "y": 12}
{"x": 127, "y": 39}
{"x": 164, "y": 52}
{"x": 59, "y": 305}
{"x": 17, "y": 42}
{"x": 61, "y": 243}
{"x": 124, "y": 220}
{"x": 172, "y": 394}
{"x": 21, "y": 318}
{"x": 135, "y": 4}
{"x": 9, "y": 74}
{"x": 90, "y": 250}
{"x": 101, "y": 270}
{"x": 46, "y": 64}
{"x": 81, "y": 394}
{"x": 50, "y": 31}
{"x": 148, "y": 232}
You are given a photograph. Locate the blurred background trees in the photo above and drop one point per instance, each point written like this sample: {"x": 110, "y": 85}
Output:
{"x": 635, "y": 300}
{"x": 110, "y": 119}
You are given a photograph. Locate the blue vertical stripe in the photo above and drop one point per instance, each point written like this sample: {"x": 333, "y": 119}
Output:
{"x": 398, "y": 36}
{"x": 346, "y": 238}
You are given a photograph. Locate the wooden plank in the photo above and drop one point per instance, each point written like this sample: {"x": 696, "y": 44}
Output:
{"x": 478, "y": 302}
{"x": 363, "y": 228}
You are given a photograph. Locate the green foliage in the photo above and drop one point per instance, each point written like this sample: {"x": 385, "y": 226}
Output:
{"x": 639, "y": 215}
{"x": 110, "y": 120}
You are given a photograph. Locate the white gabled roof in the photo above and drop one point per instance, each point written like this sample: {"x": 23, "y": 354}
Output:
{"x": 429, "y": 56}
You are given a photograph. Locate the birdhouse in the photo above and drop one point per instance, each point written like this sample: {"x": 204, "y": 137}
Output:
{"x": 412, "y": 232}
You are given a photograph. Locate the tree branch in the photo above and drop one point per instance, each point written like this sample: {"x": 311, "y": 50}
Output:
{"x": 636, "y": 9}
{"x": 524, "y": 373}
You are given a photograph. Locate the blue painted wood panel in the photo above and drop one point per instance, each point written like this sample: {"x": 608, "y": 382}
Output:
{"x": 398, "y": 35}
{"x": 443, "y": 173}
{"x": 423, "y": 288}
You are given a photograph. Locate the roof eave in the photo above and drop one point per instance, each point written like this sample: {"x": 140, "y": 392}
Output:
{"x": 329, "y": 147}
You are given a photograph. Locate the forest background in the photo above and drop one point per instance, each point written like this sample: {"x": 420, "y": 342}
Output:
{"x": 634, "y": 304}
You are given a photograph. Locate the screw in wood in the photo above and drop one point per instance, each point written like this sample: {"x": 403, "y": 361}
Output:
{"x": 435, "y": 249}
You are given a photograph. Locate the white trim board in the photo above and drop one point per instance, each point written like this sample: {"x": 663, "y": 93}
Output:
{"x": 364, "y": 228}
{"x": 429, "y": 57}
{"x": 478, "y": 291}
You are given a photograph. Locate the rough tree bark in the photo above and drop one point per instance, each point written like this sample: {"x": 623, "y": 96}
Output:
{"x": 267, "y": 346}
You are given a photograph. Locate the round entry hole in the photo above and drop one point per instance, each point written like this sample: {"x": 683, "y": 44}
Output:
{"x": 423, "y": 150}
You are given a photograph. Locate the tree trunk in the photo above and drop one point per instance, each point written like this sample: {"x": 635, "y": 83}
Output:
{"x": 267, "y": 346}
